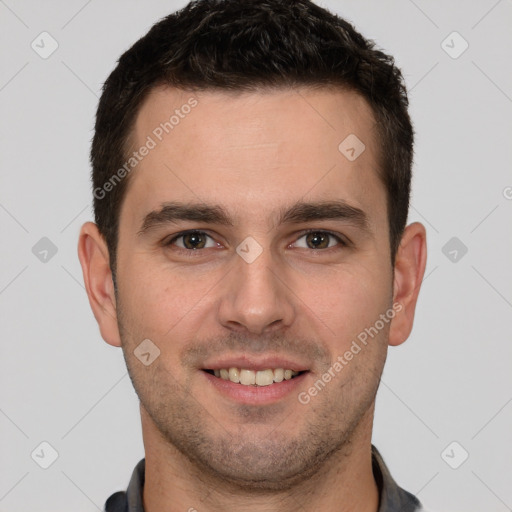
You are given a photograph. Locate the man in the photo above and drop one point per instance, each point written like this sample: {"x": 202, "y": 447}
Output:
{"x": 251, "y": 173}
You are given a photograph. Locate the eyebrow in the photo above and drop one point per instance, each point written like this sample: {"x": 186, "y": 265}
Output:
{"x": 325, "y": 210}
{"x": 172, "y": 212}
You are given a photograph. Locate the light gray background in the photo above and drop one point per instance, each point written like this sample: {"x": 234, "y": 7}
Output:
{"x": 451, "y": 381}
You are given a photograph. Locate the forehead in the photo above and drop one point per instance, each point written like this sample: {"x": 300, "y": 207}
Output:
{"x": 252, "y": 152}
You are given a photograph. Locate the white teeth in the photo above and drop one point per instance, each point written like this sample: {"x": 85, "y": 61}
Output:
{"x": 234, "y": 375}
{"x": 278, "y": 375}
{"x": 259, "y": 378}
{"x": 247, "y": 377}
{"x": 264, "y": 377}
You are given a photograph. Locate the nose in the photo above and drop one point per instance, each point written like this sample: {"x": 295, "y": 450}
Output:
{"x": 255, "y": 298}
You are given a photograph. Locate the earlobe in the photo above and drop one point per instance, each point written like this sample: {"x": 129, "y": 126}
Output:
{"x": 94, "y": 259}
{"x": 410, "y": 262}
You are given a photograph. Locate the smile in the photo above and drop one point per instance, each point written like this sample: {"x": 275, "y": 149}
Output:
{"x": 248, "y": 377}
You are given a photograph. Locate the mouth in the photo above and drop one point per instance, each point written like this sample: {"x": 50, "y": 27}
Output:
{"x": 246, "y": 379}
{"x": 255, "y": 378}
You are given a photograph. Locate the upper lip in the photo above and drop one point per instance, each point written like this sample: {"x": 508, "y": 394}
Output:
{"x": 252, "y": 363}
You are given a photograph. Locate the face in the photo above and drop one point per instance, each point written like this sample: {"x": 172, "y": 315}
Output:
{"x": 248, "y": 240}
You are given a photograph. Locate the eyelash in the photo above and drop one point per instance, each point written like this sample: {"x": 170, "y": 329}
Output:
{"x": 341, "y": 241}
{"x": 194, "y": 252}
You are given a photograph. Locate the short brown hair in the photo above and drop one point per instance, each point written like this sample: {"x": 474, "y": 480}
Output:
{"x": 251, "y": 45}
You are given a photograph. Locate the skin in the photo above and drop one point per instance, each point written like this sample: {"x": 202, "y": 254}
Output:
{"x": 255, "y": 155}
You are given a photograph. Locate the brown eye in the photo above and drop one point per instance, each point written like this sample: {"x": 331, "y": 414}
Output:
{"x": 317, "y": 240}
{"x": 193, "y": 240}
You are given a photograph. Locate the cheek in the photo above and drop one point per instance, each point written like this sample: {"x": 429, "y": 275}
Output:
{"x": 347, "y": 301}
{"x": 159, "y": 301}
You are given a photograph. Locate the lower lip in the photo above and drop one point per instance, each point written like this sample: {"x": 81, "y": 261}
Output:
{"x": 257, "y": 395}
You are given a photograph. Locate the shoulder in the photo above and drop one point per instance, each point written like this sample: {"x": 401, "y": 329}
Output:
{"x": 117, "y": 502}
{"x": 131, "y": 499}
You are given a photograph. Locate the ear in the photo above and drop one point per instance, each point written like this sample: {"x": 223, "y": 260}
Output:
{"x": 94, "y": 258}
{"x": 410, "y": 262}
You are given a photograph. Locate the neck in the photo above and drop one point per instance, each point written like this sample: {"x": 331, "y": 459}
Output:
{"x": 345, "y": 483}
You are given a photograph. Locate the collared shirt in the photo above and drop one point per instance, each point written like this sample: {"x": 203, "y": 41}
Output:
{"x": 391, "y": 497}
